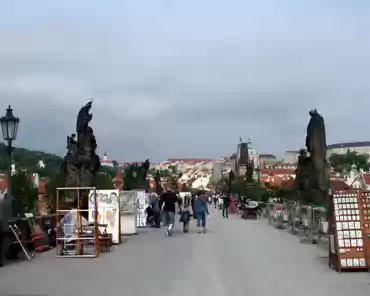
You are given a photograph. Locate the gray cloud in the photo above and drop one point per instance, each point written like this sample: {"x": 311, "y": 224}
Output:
{"x": 172, "y": 88}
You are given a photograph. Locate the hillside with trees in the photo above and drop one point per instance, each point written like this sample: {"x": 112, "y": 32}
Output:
{"x": 29, "y": 160}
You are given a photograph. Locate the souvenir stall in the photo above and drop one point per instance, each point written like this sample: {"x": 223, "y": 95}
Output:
{"x": 75, "y": 236}
{"x": 349, "y": 230}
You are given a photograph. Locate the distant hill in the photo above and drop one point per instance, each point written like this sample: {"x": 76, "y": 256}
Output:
{"x": 29, "y": 159}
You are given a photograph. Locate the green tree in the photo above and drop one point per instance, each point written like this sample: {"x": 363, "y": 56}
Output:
{"x": 25, "y": 194}
{"x": 104, "y": 181}
{"x": 131, "y": 175}
{"x": 173, "y": 169}
{"x": 29, "y": 160}
{"x": 58, "y": 181}
{"x": 173, "y": 181}
{"x": 111, "y": 171}
{"x": 344, "y": 162}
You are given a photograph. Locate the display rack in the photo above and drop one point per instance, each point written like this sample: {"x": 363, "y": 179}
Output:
{"x": 347, "y": 250}
{"x": 76, "y": 237}
{"x": 365, "y": 208}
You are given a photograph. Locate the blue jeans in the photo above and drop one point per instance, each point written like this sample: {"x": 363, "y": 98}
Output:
{"x": 201, "y": 219}
{"x": 168, "y": 218}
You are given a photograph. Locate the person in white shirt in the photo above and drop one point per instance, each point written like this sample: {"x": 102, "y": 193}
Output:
{"x": 220, "y": 202}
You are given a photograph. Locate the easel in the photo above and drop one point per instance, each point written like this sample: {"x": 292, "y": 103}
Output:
{"x": 15, "y": 230}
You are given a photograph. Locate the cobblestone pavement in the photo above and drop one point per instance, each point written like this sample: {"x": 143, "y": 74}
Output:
{"x": 235, "y": 257}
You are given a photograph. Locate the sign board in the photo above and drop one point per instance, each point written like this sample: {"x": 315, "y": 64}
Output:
{"x": 127, "y": 211}
{"x": 127, "y": 201}
{"x": 142, "y": 203}
{"x": 108, "y": 211}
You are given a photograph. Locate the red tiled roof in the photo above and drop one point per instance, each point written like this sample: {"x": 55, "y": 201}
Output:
{"x": 3, "y": 184}
{"x": 366, "y": 178}
{"x": 42, "y": 187}
{"x": 118, "y": 178}
{"x": 339, "y": 185}
{"x": 272, "y": 172}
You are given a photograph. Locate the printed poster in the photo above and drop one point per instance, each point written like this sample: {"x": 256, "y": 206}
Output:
{"x": 108, "y": 212}
{"x": 142, "y": 201}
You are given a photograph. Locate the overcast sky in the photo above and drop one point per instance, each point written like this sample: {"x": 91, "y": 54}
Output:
{"x": 185, "y": 78}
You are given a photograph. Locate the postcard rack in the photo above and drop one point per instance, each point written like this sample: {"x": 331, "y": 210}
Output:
{"x": 348, "y": 230}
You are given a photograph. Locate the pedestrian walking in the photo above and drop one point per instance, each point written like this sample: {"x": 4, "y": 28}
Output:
{"x": 220, "y": 202}
{"x": 192, "y": 205}
{"x": 168, "y": 204}
{"x": 201, "y": 212}
{"x": 225, "y": 206}
{"x": 215, "y": 200}
{"x": 185, "y": 217}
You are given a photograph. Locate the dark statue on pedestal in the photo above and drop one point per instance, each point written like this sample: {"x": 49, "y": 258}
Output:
{"x": 158, "y": 184}
{"x": 81, "y": 162}
{"x": 230, "y": 183}
{"x": 312, "y": 178}
{"x": 249, "y": 172}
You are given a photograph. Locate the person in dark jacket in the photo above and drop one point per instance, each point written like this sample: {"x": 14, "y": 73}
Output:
{"x": 168, "y": 204}
{"x": 192, "y": 205}
{"x": 225, "y": 206}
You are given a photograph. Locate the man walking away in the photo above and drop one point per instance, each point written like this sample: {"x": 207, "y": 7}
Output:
{"x": 157, "y": 212}
{"x": 192, "y": 205}
{"x": 168, "y": 204}
{"x": 215, "y": 198}
{"x": 225, "y": 206}
{"x": 201, "y": 210}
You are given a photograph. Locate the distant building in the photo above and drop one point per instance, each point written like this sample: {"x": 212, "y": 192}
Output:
{"x": 291, "y": 156}
{"x": 342, "y": 148}
{"x": 267, "y": 159}
{"x": 216, "y": 173}
{"x": 246, "y": 153}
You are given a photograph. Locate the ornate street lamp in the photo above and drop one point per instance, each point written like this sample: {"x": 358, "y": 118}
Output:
{"x": 9, "y": 126}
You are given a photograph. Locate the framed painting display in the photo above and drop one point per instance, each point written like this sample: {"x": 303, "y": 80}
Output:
{"x": 347, "y": 231}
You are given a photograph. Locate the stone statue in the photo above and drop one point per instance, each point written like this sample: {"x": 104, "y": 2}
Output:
{"x": 71, "y": 163}
{"x": 312, "y": 174}
{"x": 302, "y": 177}
{"x": 145, "y": 168}
{"x": 316, "y": 146}
{"x": 83, "y": 118}
{"x": 230, "y": 182}
{"x": 157, "y": 180}
{"x": 249, "y": 172}
{"x": 81, "y": 162}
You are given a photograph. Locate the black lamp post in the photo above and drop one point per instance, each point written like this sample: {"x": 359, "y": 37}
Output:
{"x": 9, "y": 126}
{"x": 230, "y": 181}
{"x": 258, "y": 183}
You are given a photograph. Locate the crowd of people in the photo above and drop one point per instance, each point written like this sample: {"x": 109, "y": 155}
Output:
{"x": 163, "y": 209}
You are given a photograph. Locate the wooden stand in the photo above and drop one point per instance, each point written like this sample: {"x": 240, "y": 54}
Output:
{"x": 83, "y": 236}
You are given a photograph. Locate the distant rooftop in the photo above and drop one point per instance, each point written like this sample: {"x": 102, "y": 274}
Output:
{"x": 350, "y": 145}
{"x": 190, "y": 159}
{"x": 292, "y": 151}
{"x": 267, "y": 156}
